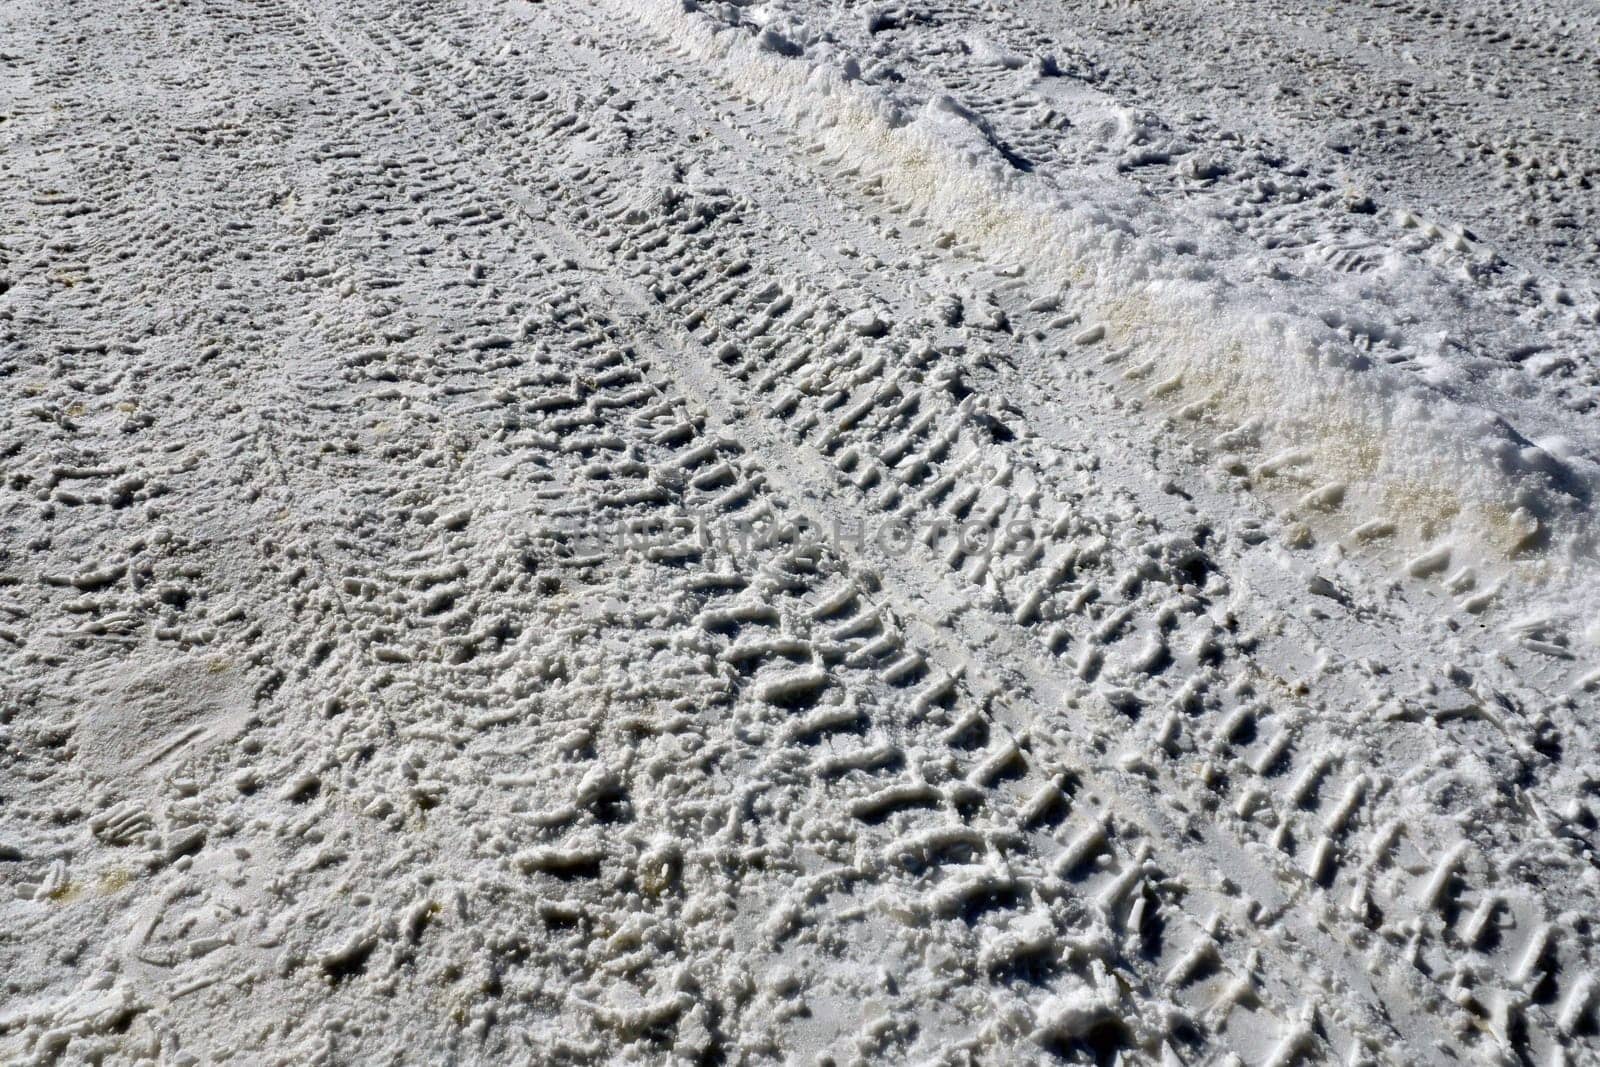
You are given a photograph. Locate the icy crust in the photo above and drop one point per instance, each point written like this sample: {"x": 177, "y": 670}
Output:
{"x": 1320, "y": 423}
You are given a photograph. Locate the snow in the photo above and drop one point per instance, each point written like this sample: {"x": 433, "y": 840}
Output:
{"x": 667, "y": 531}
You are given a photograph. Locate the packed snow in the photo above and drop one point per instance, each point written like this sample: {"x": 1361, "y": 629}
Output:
{"x": 657, "y": 531}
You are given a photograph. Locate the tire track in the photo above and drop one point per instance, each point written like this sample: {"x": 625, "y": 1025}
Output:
{"x": 1317, "y": 771}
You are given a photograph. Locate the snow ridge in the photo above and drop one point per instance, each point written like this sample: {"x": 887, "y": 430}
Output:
{"x": 1317, "y": 420}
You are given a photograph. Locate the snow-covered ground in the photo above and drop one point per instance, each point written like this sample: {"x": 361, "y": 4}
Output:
{"x": 803, "y": 532}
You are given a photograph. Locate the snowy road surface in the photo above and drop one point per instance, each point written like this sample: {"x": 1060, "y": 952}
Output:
{"x": 949, "y": 532}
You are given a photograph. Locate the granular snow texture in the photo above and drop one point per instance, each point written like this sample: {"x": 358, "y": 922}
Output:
{"x": 802, "y": 532}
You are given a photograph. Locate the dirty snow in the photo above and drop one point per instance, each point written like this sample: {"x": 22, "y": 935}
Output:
{"x": 654, "y": 531}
